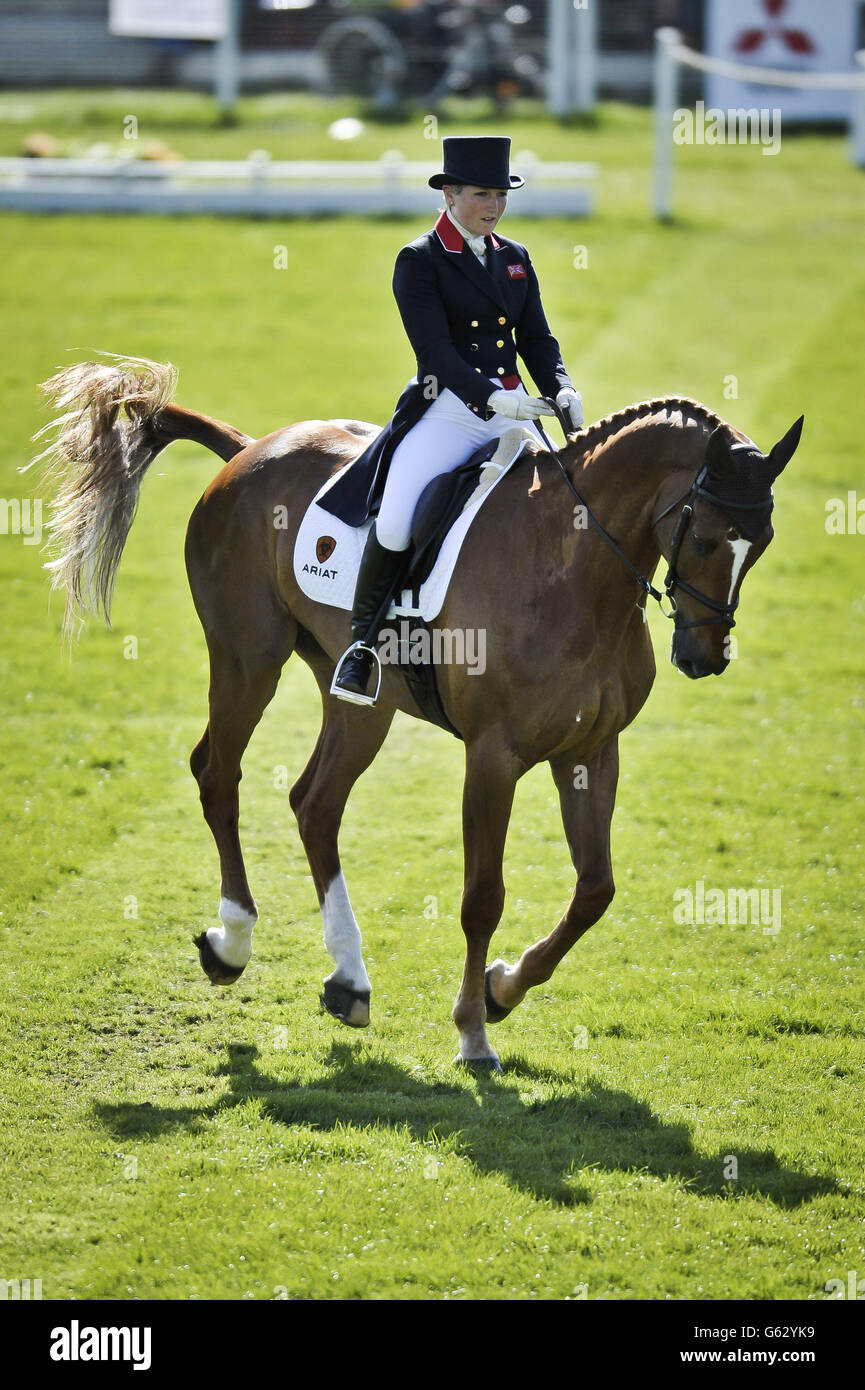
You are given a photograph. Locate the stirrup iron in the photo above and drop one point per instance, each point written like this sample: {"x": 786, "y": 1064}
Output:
{"x": 351, "y": 696}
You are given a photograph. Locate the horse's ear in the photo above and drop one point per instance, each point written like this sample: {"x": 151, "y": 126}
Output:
{"x": 719, "y": 459}
{"x": 783, "y": 451}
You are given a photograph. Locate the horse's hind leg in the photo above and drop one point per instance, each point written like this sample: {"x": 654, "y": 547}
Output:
{"x": 349, "y": 740}
{"x": 246, "y": 658}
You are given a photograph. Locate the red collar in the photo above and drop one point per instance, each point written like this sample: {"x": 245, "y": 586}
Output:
{"x": 451, "y": 239}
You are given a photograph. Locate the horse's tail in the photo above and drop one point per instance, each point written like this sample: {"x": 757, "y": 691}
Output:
{"x": 115, "y": 418}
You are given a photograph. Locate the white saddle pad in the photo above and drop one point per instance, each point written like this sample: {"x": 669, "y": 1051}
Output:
{"x": 327, "y": 552}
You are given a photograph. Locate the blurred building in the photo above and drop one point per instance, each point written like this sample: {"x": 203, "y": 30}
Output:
{"x": 67, "y": 42}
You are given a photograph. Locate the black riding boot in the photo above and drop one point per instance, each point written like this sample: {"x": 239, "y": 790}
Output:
{"x": 379, "y": 569}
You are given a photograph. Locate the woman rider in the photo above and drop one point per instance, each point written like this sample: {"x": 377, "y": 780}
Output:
{"x": 469, "y": 302}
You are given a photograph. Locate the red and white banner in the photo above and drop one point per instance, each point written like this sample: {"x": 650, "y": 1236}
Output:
{"x": 803, "y": 36}
{"x": 169, "y": 19}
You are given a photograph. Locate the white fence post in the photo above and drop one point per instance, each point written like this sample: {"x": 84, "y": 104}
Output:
{"x": 666, "y": 91}
{"x": 857, "y": 123}
{"x": 392, "y": 162}
{"x": 226, "y": 59}
{"x": 558, "y": 56}
{"x": 585, "y": 26}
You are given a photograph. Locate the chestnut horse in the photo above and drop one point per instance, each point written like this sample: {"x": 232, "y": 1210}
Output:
{"x": 558, "y": 588}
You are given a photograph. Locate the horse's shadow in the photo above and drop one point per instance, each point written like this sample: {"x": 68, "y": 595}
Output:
{"x": 537, "y": 1147}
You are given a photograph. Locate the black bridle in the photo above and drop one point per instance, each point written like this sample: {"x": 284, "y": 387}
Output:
{"x": 723, "y": 611}
{"x": 672, "y": 581}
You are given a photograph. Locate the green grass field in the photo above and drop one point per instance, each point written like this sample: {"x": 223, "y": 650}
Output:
{"x": 167, "y": 1140}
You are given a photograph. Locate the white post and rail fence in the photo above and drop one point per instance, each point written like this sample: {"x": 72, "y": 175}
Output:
{"x": 671, "y": 54}
{"x": 262, "y": 187}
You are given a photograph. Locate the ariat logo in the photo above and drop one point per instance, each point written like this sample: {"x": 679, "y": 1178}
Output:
{"x": 517, "y": 272}
{"x": 324, "y": 548}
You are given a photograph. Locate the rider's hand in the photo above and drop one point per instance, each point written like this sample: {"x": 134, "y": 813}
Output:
{"x": 570, "y": 402}
{"x": 516, "y": 406}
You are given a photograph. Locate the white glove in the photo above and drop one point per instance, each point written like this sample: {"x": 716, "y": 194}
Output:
{"x": 517, "y": 407}
{"x": 571, "y": 402}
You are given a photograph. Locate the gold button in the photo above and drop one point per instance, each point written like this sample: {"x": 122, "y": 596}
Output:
{"x": 500, "y": 370}
{"x": 474, "y": 323}
{"x": 500, "y": 343}
{"x": 477, "y": 369}
{"x": 502, "y": 320}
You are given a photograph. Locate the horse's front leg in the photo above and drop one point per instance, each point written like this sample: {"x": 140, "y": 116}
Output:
{"x": 586, "y": 795}
{"x": 488, "y": 794}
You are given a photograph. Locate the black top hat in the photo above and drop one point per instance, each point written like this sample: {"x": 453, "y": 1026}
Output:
{"x": 478, "y": 160}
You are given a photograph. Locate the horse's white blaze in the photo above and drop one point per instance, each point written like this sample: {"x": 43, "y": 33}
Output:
{"x": 232, "y": 942}
{"x": 740, "y": 550}
{"x": 342, "y": 935}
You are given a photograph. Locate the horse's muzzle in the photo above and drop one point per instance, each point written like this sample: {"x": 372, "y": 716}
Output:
{"x": 687, "y": 657}
{"x": 695, "y": 670}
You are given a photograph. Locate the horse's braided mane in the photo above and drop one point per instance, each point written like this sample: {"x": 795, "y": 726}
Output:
{"x": 601, "y": 431}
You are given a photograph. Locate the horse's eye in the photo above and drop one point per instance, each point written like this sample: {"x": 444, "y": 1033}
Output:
{"x": 702, "y": 547}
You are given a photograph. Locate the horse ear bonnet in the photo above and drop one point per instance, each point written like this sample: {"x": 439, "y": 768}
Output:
{"x": 739, "y": 477}
{"x": 781, "y": 454}
{"x": 719, "y": 459}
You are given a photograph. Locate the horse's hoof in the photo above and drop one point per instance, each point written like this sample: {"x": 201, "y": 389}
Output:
{"x": 217, "y": 972}
{"x": 479, "y": 1065}
{"x": 495, "y": 1012}
{"x": 349, "y": 1005}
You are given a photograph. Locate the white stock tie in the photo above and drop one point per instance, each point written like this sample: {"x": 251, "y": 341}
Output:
{"x": 477, "y": 244}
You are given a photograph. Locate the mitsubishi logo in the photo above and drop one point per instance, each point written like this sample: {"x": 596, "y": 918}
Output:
{"x": 796, "y": 40}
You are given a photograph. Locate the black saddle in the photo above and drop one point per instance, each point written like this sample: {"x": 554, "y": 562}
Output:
{"x": 437, "y": 509}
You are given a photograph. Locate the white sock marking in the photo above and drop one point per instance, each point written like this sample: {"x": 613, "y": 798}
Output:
{"x": 232, "y": 942}
{"x": 740, "y": 550}
{"x": 474, "y": 1044}
{"x": 342, "y": 935}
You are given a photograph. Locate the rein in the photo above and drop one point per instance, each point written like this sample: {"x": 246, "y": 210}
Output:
{"x": 672, "y": 581}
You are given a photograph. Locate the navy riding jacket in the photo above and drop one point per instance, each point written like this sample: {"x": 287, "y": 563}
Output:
{"x": 466, "y": 324}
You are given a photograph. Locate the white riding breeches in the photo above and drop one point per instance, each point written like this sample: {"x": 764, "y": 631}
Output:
{"x": 444, "y": 437}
